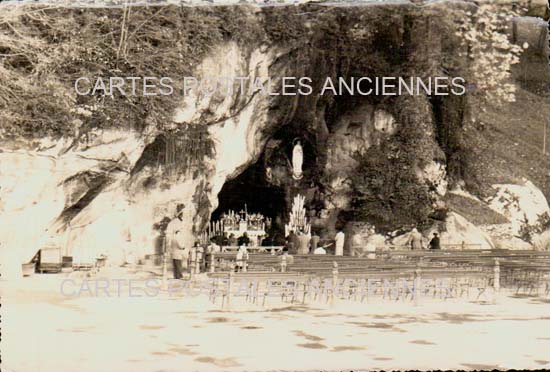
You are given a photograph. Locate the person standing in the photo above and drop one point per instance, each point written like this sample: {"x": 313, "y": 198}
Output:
{"x": 415, "y": 240}
{"x": 241, "y": 258}
{"x": 178, "y": 255}
{"x": 435, "y": 243}
{"x": 174, "y": 242}
{"x": 175, "y": 225}
{"x": 200, "y": 258}
{"x": 339, "y": 243}
{"x": 303, "y": 243}
{"x": 291, "y": 242}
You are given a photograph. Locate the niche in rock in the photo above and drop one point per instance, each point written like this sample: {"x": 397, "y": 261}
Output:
{"x": 252, "y": 189}
{"x": 267, "y": 186}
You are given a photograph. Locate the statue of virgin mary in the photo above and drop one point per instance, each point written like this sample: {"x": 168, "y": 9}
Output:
{"x": 297, "y": 161}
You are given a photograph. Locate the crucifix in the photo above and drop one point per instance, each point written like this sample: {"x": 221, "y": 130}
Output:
{"x": 243, "y": 214}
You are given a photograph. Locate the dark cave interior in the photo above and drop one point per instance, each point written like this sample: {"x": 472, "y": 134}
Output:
{"x": 272, "y": 195}
{"x": 251, "y": 189}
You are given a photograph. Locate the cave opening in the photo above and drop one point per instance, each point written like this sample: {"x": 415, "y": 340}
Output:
{"x": 267, "y": 186}
{"x": 252, "y": 190}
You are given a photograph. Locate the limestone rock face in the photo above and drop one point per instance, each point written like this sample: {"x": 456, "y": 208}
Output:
{"x": 456, "y": 230}
{"x": 36, "y": 187}
{"x": 239, "y": 122}
{"x": 86, "y": 199}
{"x": 354, "y": 132}
{"x": 511, "y": 242}
{"x": 519, "y": 203}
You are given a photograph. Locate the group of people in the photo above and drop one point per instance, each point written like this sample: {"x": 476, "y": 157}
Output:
{"x": 231, "y": 240}
{"x": 415, "y": 241}
{"x": 298, "y": 242}
{"x": 183, "y": 258}
{"x": 193, "y": 259}
{"x": 302, "y": 243}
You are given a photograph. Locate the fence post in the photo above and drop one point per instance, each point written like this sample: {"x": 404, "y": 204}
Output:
{"x": 496, "y": 275}
{"x": 417, "y": 290}
{"x": 191, "y": 263}
{"x": 230, "y": 288}
{"x": 245, "y": 263}
{"x": 212, "y": 262}
{"x": 334, "y": 282}
{"x": 283, "y": 263}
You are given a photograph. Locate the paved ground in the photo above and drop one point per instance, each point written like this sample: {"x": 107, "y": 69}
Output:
{"x": 44, "y": 330}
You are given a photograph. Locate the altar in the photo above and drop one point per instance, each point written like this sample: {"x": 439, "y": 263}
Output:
{"x": 233, "y": 224}
{"x": 244, "y": 227}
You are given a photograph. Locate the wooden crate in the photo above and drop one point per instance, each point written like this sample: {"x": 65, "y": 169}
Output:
{"x": 50, "y": 259}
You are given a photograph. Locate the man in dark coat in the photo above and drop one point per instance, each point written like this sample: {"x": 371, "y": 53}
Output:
{"x": 179, "y": 255}
{"x": 244, "y": 240}
{"x": 292, "y": 242}
{"x": 434, "y": 243}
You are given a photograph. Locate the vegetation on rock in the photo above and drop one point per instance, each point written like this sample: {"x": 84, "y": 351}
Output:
{"x": 44, "y": 50}
{"x": 528, "y": 231}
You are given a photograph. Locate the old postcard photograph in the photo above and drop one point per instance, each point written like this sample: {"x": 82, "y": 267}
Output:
{"x": 274, "y": 185}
